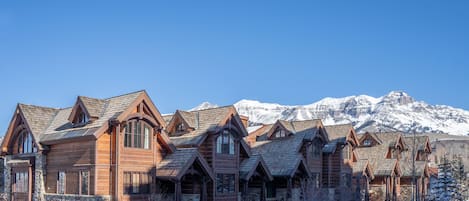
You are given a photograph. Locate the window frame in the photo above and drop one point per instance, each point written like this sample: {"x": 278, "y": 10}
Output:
{"x": 137, "y": 138}
{"x": 80, "y": 177}
{"x": 137, "y": 183}
{"x": 25, "y": 138}
{"x": 225, "y": 183}
{"x": 21, "y": 182}
{"x": 61, "y": 182}
{"x": 367, "y": 142}
{"x": 280, "y": 133}
{"x": 225, "y": 143}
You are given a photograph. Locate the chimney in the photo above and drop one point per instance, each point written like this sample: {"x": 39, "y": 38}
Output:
{"x": 245, "y": 120}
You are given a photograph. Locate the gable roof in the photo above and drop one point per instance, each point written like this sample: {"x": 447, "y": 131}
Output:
{"x": 340, "y": 133}
{"x": 49, "y": 125}
{"x": 285, "y": 150}
{"x": 392, "y": 139}
{"x": 175, "y": 165}
{"x": 294, "y": 127}
{"x": 362, "y": 167}
{"x": 61, "y": 128}
{"x": 422, "y": 142}
{"x": 420, "y": 169}
{"x": 376, "y": 155}
{"x": 373, "y": 136}
{"x": 205, "y": 122}
{"x": 248, "y": 166}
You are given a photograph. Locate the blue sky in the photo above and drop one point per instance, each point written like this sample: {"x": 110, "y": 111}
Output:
{"x": 187, "y": 52}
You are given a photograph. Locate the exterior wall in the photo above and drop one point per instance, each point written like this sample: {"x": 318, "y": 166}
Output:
{"x": 226, "y": 164}
{"x": 104, "y": 155}
{"x": 223, "y": 164}
{"x": 70, "y": 157}
{"x": 136, "y": 160}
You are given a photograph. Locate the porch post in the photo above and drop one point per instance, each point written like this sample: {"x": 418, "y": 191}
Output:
{"x": 263, "y": 191}
{"x": 177, "y": 191}
{"x": 289, "y": 188}
{"x": 203, "y": 193}
{"x": 244, "y": 191}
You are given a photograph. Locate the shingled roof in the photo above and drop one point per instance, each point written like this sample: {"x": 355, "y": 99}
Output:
{"x": 51, "y": 125}
{"x": 175, "y": 165}
{"x": 420, "y": 167}
{"x": 308, "y": 128}
{"x": 203, "y": 122}
{"x": 340, "y": 133}
{"x": 248, "y": 166}
{"x": 285, "y": 150}
{"x": 376, "y": 155}
{"x": 61, "y": 128}
{"x": 93, "y": 106}
{"x": 360, "y": 167}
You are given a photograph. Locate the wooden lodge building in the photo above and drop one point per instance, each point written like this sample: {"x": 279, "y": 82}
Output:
{"x": 122, "y": 148}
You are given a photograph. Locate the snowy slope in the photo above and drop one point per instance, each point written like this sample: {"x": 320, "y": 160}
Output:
{"x": 396, "y": 111}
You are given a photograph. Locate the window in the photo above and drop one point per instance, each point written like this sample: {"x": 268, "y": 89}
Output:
{"x": 180, "y": 127}
{"x": 61, "y": 182}
{"x": 137, "y": 182}
{"x": 84, "y": 182}
{"x": 316, "y": 180}
{"x": 225, "y": 183}
{"x": 133, "y": 136}
{"x": 82, "y": 118}
{"x": 347, "y": 179}
{"x": 316, "y": 149}
{"x": 26, "y": 143}
{"x": 271, "y": 191}
{"x": 21, "y": 182}
{"x": 279, "y": 133}
{"x": 367, "y": 142}
{"x": 225, "y": 143}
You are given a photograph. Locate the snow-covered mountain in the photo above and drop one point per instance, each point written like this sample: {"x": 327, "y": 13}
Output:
{"x": 396, "y": 111}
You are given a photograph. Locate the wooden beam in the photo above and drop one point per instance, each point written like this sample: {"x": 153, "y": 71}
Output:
{"x": 289, "y": 188}
{"x": 177, "y": 191}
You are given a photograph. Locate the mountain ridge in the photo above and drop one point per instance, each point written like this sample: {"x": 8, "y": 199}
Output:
{"x": 395, "y": 111}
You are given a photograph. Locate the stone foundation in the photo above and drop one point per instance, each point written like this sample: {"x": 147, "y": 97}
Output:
{"x": 60, "y": 197}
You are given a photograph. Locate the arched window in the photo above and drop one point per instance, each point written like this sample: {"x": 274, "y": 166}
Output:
{"x": 137, "y": 134}
{"x": 225, "y": 143}
{"x": 26, "y": 143}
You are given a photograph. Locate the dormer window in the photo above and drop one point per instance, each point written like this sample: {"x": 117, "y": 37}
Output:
{"x": 225, "y": 143}
{"x": 26, "y": 143}
{"x": 80, "y": 117}
{"x": 279, "y": 133}
{"x": 180, "y": 128}
{"x": 367, "y": 142}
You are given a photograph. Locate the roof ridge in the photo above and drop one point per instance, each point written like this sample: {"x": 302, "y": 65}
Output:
{"x": 134, "y": 92}
{"x": 31, "y": 105}
{"x": 213, "y": 108}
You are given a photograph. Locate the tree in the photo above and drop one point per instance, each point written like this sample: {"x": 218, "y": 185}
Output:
{"x": 446, "y": 187}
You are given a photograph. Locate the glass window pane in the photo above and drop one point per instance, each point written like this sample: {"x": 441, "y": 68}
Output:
{"x": 84, "y": 182}
{"x": 146, "y": 143}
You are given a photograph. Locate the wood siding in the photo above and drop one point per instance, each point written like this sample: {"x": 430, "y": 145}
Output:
{"x": 71, "y": 158}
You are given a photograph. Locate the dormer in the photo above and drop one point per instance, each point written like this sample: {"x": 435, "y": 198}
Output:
{"x": 279, "y": 130}
{"x": 181, "y": 123}
{"x": 85, "y": 110}
{"x": 369, "y": 140}
{"x": 395, "y": 149}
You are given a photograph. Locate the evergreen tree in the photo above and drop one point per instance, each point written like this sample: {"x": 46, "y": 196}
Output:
{"x": 447, "y": 186}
